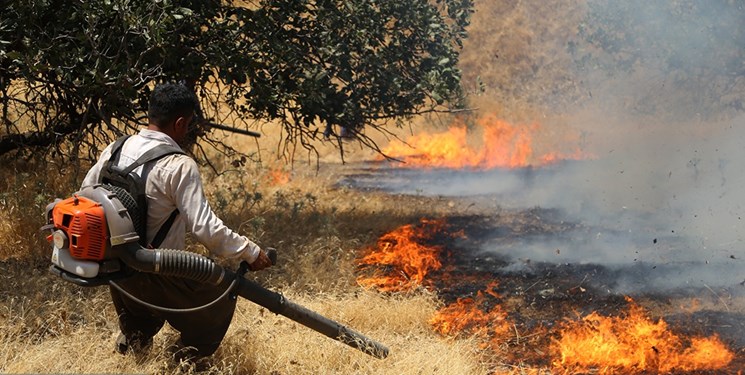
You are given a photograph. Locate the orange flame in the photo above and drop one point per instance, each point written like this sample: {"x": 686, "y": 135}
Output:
{"x": 277, "y": 175}
{"x": 403, "y": 249}
{"x": 472, "y": 316}
{"x": 634, "y": 343}
{"x": 503, "y": 146}
{"x": 595, "y": 344}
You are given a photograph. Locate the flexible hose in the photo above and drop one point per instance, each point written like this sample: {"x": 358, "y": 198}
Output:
{"x": 178, "y": 263}
{"x": 188, "y": 265}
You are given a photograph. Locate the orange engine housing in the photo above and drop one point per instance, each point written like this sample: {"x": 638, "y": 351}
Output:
{"x": 84, "y": 222}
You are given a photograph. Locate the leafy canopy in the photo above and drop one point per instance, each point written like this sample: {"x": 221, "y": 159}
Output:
{"x": 71, "y": 68}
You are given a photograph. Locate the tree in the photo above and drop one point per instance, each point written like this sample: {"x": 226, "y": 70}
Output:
{"x": 72, "y": 68}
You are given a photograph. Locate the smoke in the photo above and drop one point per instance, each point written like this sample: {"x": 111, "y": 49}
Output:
{"x": 664, "y": 210}
{"x": 662, "y": 92}
{"x": 667, "y": 60}
{"x": 665, "y": 85}
{"x": 674, "y": 202}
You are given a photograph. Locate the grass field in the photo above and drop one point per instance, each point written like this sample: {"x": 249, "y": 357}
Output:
{"x": 49, "y": 326}
{"x": 599, "y": 73}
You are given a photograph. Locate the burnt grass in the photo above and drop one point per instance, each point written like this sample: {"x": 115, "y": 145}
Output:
{"x": 538, "y": 296}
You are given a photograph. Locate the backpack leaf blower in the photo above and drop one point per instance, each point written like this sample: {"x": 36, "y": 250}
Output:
{"x": 95, "y": 243}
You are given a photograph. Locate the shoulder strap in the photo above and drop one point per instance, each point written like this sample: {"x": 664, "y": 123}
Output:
{"x": 116, "y": 150}
{"x": 154, "y": 153}
{"x": 163, "y": 231}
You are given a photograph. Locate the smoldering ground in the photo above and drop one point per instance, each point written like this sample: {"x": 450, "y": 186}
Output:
{"x": 663, "y": 195}
{"x": 669, "y": 209}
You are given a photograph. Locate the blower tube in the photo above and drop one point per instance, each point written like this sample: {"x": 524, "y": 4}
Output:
{"x": 193, "y": 266}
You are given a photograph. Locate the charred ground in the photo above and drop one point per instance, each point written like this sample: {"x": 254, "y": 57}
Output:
{"x": 538, "y": 296}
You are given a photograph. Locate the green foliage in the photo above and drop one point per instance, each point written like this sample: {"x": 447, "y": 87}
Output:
{"x": 69, "y": 69}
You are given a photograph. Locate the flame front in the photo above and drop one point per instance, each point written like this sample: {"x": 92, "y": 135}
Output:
{"x": 634, "y": 343}
{"x": 405, "y": 251}
{"x": 503, "y": 145}
{"x": 629, "y": 344}
{"x": 473, "y": 316}
{"x": 277, "y": 176}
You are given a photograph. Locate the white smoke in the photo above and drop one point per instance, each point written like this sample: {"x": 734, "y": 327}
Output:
{"x": 665, "y": 196}
{"x": 669, "y": 208}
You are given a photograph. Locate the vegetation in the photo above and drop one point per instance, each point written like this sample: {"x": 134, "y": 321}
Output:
{"x": 70, "y": 69}
{"x": 522, "y": 60}
{"x": 50, "y": 326}
{"x": 664, "y": 61}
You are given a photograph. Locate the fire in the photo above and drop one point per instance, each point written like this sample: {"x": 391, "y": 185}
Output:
{"x": 277, "y": 176}
{"x": 404, "y": 250}
{"x": 472, "y": 316}
{"x": 635, "y": 343}
{"x": 629, "y": 344}
{"x": 503, "y": 145}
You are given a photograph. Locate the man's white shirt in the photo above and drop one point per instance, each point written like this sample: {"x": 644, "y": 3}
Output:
{"x": 174, "y": 182}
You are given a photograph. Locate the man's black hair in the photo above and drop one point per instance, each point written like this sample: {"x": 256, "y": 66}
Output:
{"x": 169, "y": 101}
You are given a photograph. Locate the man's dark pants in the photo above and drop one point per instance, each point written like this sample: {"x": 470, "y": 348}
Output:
{"x": 203, "y": 329}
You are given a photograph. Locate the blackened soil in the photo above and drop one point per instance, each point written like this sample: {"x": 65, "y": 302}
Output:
{"x": 538, "y": 296}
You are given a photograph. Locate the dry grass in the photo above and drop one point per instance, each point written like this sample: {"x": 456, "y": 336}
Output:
{"x": 75, "y": 332}
{"x": 516, "y": 48}
{"x": 48, "y": 326}
{"x": 25, "y": 190}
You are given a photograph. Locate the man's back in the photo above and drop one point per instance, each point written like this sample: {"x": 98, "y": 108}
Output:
{"x": 161, "y": 202}
{"x": 174, "y": 182}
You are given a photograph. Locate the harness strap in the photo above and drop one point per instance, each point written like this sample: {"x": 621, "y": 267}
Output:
{"x": 115, "y": 152}
{"x": 153, "y": 154}
{"x": 163, "y": 231}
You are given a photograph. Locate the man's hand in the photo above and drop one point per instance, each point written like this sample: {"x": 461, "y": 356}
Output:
{"x": 261, "y": 262}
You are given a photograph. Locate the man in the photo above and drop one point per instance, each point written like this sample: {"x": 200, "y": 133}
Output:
{"x": 174, "y": 183}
